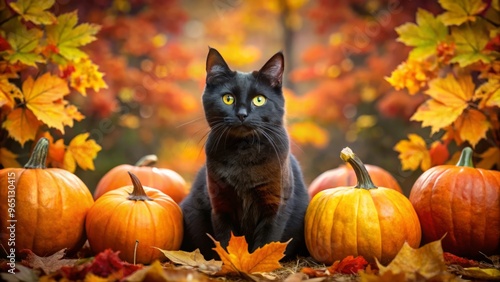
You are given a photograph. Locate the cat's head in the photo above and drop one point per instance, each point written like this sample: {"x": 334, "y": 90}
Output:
{"x": 243, "y": 102}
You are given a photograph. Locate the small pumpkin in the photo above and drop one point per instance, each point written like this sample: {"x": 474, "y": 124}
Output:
{"x": 133, "y": 213}
{"x": 163, "y": 179}
{"x": 462, "y": 202}
{"x": 344, "y": 175}
{"x": 365, "y": 220}
{"x": 48, "y": 204}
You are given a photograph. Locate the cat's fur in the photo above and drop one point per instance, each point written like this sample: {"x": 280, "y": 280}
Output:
{"x": 250, "y": 184}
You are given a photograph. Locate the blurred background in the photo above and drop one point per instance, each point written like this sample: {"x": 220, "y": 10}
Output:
{"x": 338, "y": 54}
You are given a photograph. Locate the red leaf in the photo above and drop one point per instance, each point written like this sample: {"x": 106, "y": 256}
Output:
{"x": 349, "y": 265}
{"x": 453, "y": 259}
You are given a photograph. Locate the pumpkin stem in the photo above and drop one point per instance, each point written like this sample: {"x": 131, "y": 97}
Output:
{"x": 39, "y": 156}
{"x": 138, "y": 193}
{"x": 148, "y": 160}
{"x": 364, "y": 179}
{"x": 466, "y": 158}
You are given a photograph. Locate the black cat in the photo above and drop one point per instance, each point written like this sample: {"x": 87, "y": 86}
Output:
{"x": 251, "y": 184}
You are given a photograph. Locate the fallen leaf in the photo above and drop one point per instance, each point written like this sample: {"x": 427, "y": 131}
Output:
{"x": 157, "y": 273}
{"x": 23, "y": 274}
{"x": 238, "y": 260}
{"x": 480, "y": 273}
{"x": 386, "y": 277}
{"x": 47, "y": 264}
{"x": 193, "y": 259}
{"x": 312, "y": 272}
{"x": 450, "y": 259}
{"x": 349, "y": 265}
{"x": 427, "y": 261}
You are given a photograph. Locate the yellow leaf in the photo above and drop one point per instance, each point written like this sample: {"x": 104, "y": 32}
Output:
{"x": 155, "y": 272}
{"x": 44, "y": 98}
{"x": 450, "y": 97}
{"x": 413, "y": 153}
{"x": 460, "y": 11}
{"x": 470, "y": 41}
{"x": 82, "y": 152}
{"x": 67, "y": 36}
{"x": 427, "y": 261}
{"x": 472, "y": 126}
{"x": 86, "y": 75}
{"x": 488, "y": 94}
{"x": 72, "y": 113}
{"x": 8, "y": 159}
{"x": 237, "y": 259}
{"x": 22, "y": 125}
{"x": 481, "y": 273}
{"x": 34, "y": 11}
{"x": 489, "y": 158}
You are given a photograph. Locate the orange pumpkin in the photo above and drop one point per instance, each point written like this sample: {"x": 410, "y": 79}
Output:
{"x": 344, "y": 175}
{"x": 48, "y": 205}
{"x": 133, "y": 213}
{"x": 165, "y": 180}
{"x": 462, "y": 202}
{"x": 365, "y": 220}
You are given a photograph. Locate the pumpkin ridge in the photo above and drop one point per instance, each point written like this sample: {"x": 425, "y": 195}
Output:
{"x": 333, "y": 245}
{"x": 374, "y": 207}
{"x": 432, "y": 198}
{"x": 318, "y": 215}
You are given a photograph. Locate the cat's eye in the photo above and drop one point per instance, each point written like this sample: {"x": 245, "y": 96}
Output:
{"x": 228, "y": 99}
{"x": 259, "y": 100}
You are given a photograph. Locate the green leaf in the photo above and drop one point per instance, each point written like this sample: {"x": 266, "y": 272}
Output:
{"x": 23, "y": 43}
{"x": 470, "y": 40}
{"x": 34, "y": 11}
{"x": 460, "y": 11}
{"x": 424, "y": 36}
{"x": 67, "y": 36}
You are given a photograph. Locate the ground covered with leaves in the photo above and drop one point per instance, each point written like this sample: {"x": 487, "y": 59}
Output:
{"x": 428, "y": 263}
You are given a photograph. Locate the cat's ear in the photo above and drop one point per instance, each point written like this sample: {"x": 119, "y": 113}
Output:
{"x": 273, "y": 69}
{"x": 216, "y": 66}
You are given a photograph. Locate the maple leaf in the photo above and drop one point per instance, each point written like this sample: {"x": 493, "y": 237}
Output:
{"x": 43, "y": 97}
{"x": 67, "y": 36}
{"x": 8, "y": 159}
{"x": 22, "y": 125}
{"x": 348, "y": 265}
{"x": 34, "y": 11}
{"x": 387, "y": 276}
{"x": 82, "y": 152}
{"x": 450, "y": 97}
{"x": 156, "y": 272}
{"x": 238, "y": 260}
{"x": 193, "y": 259}
{"x": 413, "y": 153}
{"x": 490, "y": 158}
{"x": 47, "y": 264}
{"x": 472, "y": 126}
{"x": 86, "y": 75}
{"x": 72, "y": 114}
{"x": 426, "y": 262}
{"x": 55, "y": 157}
{"x": 425, "y": 36}
{"x": 470, "y": 42}
{"x": 488, "y": 94}
{"x": 308, "y": 132}
{"x": 460, "y": 11}
{"x": 23, "y": 42}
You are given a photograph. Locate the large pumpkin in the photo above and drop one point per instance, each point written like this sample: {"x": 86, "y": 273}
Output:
{"x": 462, "y": 202}
{"x": 47, "y": 206}
{"x": 365, "y": 220}
{"x": 133, "y": 213}
{"x": 344, "y": 175}
{"x": 165, "y": 180}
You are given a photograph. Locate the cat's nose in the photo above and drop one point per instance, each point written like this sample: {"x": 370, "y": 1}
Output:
{"x": 242, "y": 114}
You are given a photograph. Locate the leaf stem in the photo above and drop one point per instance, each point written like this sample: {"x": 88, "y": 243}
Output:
{"x": 148, "y": 160}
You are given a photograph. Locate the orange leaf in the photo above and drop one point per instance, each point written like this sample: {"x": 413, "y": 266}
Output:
{"x": 8, "y": 159}
{"x": 82, "y": 152}
{"x": 472, "y": 126}
{"x": 489, "y": 158}
{"x": 57, "y": 150}
{"x": 237, "y": 259}
{"x": 349, "y": 265}
{"x": 450, "y": 98}
{"x": 413, "y": 153}
{"x": 43, "y": 97}
{"x": 22, "y": 125}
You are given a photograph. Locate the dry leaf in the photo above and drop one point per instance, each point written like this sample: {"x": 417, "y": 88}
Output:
{"x": 156, "y": 273}
{"x": 238, "y": 260}
{"x": 480, "y": 273}
{"x": 349, "y": 265}
{"x": 193, "y": 259}
{"x": 427, "y": 261}
{"x": 47, "y": 264}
